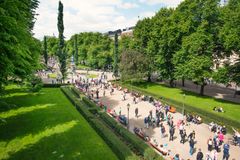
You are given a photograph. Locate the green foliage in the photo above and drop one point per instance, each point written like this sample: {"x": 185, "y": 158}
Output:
{"x": 150, "y": 154}
{"x": 45, "y": 52}
{"x": 62, "y": 55}
{"x": 230, "y": 31}
{"x": 133, "y": 65}
{"x": 19, "y": 50}
{"x": 115, "y": 64}
{"x": 34, "y": 83}
{"x": 94, "y": 49}
{"x": 76, "y": 50}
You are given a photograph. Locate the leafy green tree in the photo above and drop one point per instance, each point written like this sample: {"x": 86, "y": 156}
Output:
{"x": 19, "y": 50}
{"x": 115, "y": 64}
{"x": 133, "y": 65}
{"x": 61, "y": 51}
{"x": 52, "y": 45}
{"x": 76, "y": 50}
{"x": 145, "y": 42}
{"x": 45, "y": 53}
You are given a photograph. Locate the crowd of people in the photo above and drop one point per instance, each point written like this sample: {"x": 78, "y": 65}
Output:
{"x": 160, "y": 118}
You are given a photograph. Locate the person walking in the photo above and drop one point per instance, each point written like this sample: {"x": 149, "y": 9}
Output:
{"x": 226, "y": 154}
{"x": 210, "y": 144}
{"x": 183, "y": 136}
{"x": 136, "y": 112}
{"x": 171, "y": 132}
{"x": 191, "y": 144}
{"x": 199, "y": 155}
{"x": 162, "y": 130}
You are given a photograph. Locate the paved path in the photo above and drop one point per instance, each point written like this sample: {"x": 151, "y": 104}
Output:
{"x": 202, "y": 131}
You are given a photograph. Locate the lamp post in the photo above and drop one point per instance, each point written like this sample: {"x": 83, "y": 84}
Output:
{"x": 128, "y": 107}
{"x": 183, "y": 105}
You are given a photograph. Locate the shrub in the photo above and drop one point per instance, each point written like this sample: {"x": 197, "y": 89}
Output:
{"x": 34, "y": 83}
{"x": 76, "y": 91}
{"x": 150, "y": 154}
{"x": 56, "y": 85}
{"x": 118, "y": 147}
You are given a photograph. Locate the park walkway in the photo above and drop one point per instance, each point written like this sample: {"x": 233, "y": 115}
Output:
{"x": 202, "y": 131}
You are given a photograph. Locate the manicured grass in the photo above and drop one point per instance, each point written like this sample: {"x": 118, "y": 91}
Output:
{"x": 47, "y": 126}
{"x": 92, "y": 76}
{"x": 52, "y": 75}
{"x": 81, "y": 66}
{"x": 204, "y": 103}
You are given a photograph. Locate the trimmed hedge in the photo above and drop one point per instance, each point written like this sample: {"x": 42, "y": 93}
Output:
{"x": 56, "y": 85}
{"x": 117, "y": 146}
{"x": 76, "y": 92}
{"x": 207, "y": 116}
{"x": 135, "y": 143}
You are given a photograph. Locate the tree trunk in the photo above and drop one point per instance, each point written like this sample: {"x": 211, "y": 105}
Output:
{"x": 202, "y": 90}
{"x": 149, "y": 77}
{"x": 183, "y": 82}
{"x": 171, "y": 83}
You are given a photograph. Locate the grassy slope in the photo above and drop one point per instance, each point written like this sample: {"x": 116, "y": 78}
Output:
{"x": 204, "y": 102}
{"x": 46, "y": 126}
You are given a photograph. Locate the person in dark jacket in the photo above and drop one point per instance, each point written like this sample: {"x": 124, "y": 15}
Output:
{"x": 199, "y": 155}
{"x": 171, "y": 132}
{"x": 191, "y": 144}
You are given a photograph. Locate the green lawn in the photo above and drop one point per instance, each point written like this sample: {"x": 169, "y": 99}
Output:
{"x": 47, "y": 126}
{"x": 92, "y": 76}
{"x": 203, "y": 102}
{"x": 81, "y": 66}
{"x": 52, "y": 75}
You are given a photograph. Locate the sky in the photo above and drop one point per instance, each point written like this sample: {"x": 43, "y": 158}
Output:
{"x": 94, "y": 15}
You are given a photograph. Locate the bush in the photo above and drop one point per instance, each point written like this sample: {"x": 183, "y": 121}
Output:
{"x": 118, "y": 147}
{"x": 56, "y": 85}
{"x": 150, "y": 154}
{"x": 84, "y": 111}
{"x": 135, "y": 142}
{"x": 34, "y": 83}
{"x": 76, "y": 91}
{"x": 89, "y": 103}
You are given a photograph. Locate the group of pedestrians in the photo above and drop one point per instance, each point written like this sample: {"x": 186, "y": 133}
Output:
{"x": 162, "y": 115}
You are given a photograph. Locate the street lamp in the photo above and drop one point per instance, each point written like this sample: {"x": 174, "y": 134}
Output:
{"x": 183, "y": 105}
{"x": 128, "y": 107}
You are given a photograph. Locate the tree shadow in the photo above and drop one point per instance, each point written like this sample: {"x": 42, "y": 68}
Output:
{"x": 19, "y": 145}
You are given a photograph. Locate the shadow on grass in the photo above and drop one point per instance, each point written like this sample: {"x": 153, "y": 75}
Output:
{"x": 32, "y": 122}
{"x": 16, "y": 145}
{"x": 23, "y": 100}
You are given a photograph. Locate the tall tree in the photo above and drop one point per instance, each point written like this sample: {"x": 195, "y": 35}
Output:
{"x": 45, "y": 52}
{"x": 133, "y": 65}
{"x": 19, "y": 50}
{"x": 76, "y": 49}
{"x": 145, "y": 42}
{"x": 61, "y": 52}
{"x": 115, "y": 64}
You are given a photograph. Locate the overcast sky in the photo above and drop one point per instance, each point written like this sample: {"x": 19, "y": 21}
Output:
{"x": 95, "y": 15}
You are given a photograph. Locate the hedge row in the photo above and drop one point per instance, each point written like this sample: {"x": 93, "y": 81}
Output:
{"x": 117, "y": 146}
{"x": 56, "y": 85}
{"x": 135, "y": 143}
{"x": 76, "y": 92}
{"x": 207, "y": 116}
